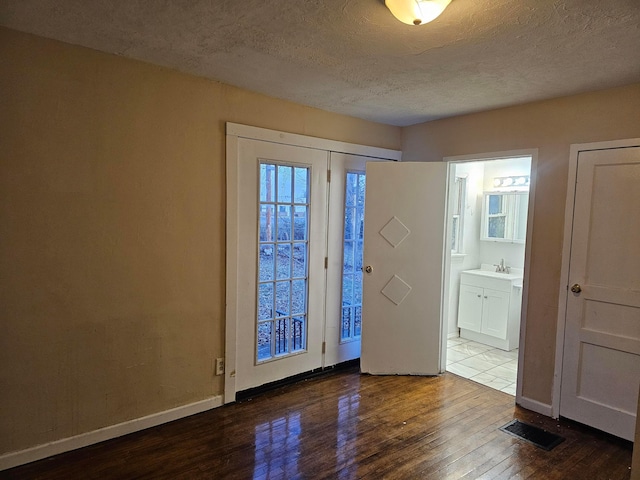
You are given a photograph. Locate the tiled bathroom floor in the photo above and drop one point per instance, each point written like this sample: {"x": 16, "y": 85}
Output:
{"x": 483, "y": 364}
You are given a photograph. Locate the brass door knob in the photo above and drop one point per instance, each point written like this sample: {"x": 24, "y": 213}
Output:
{"x": 368, "y": 269}
{"x": 576, "y": 288}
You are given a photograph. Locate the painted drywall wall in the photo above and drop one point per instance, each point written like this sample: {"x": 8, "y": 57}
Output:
{"x": 551, "y": 127}
{"x": 112, "y": 231}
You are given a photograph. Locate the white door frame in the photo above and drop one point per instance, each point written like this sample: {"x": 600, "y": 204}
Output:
{"x": 484, "y": 157}
{"x": 234, "y": 131}
{"x": 566, "y": 254}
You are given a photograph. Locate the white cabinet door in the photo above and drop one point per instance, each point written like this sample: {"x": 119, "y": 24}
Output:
{"x": 601, "y": 361}
{"x": 470, "y": 308}
{"x": 495, "y": 313}
{"x": 404, "y": 247}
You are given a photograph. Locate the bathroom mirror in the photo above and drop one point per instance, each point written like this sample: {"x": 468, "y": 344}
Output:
{"x": 504, "y": 216}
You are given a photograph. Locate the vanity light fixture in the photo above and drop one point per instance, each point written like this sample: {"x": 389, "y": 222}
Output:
{"x": 514, "y": 181}
{"x": 416, "y": 12}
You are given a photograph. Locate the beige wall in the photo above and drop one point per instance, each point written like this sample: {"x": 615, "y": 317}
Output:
{"x": 112, "y": 211}
{"x": 551, "y": 127}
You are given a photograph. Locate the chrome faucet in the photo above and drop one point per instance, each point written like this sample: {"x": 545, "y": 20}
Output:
{"x": 502, "y": 268}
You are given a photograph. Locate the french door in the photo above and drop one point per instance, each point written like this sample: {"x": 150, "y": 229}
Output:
{"x": 344, "y": 259}
{"x": 282, "y": 198}
{"x": 294, "y": 271}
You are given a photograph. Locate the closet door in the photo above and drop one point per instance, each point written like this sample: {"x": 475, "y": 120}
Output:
{"x": 601, "y": 361}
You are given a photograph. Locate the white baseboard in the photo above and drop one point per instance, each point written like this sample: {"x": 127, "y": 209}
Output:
{"x": 535, "y": 406}
{"x": 14, "y": 459}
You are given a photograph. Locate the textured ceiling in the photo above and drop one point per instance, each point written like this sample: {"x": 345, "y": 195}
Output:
{"x": 353, "y": 57}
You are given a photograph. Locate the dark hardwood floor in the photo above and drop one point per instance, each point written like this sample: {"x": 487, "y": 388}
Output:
{"x": 343, "y": 426}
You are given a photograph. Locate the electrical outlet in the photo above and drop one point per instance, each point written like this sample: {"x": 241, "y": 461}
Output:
{"x": 219, "y": 366}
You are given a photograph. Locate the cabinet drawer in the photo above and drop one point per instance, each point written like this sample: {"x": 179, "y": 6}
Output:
{"x": 486, "y": 282}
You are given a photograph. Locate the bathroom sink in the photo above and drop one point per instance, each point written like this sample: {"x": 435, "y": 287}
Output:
{"x": 494, "y": 274}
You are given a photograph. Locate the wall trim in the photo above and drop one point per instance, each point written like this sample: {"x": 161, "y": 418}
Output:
{"x": 274, "y": 136}
{"x": 21, "y": 457}
{"x": 535, "y": 406}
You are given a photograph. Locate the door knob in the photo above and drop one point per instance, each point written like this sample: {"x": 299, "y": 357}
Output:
{"x": 368, "y": 269}
{"x": 576, "y": 288}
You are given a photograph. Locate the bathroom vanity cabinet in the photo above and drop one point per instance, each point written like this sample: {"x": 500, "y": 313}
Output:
{"x": 489, "y": 308}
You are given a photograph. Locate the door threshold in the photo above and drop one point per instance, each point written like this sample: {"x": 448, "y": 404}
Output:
{"x": 250, "y": 393}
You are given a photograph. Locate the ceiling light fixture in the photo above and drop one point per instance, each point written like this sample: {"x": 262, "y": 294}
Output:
{"x": 416, "y": 12}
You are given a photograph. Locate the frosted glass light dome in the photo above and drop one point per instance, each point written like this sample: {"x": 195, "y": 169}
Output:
{"x": 416, "y": 12}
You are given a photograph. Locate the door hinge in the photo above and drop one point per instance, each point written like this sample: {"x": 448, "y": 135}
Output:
{"x": 326, "y": 262}
{"x": 324, "y": 347}
{"x": 328, "y": 176}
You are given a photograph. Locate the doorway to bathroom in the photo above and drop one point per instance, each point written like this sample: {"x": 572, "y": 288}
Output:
{"x": 489, "y": 208}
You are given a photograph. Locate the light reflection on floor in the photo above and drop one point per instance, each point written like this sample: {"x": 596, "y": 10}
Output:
{"x": 277, "y": 448}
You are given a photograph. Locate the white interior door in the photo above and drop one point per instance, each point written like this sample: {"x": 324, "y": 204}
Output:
{"x": 601, "y": 360}
{"x": 282, "y": 200}
{"x": 344, "y": 258}
{"x": 404, "y": 266}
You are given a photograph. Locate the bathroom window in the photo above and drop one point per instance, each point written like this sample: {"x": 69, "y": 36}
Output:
{"x": 458, "y": 199}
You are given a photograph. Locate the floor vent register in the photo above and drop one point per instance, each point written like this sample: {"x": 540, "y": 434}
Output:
{"x": 529, "y": 433}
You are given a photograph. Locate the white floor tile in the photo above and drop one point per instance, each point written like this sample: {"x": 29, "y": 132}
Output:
{"x": 484, "y": 378}
{"x": 498, "y": 383}
{"x": 477, "y": 363}
{"x": 512, "y": 364}
{"x": 495, "y": 357}
{"x": 503, "y": 372}
{"x": 471, "y": 348}
{"x": 463, "y": 371}
{"x": 481, "y": 363}
{"x": 513, "y": 354}
{"x": 454, "y": 356}
{"x": 510, "y": 389}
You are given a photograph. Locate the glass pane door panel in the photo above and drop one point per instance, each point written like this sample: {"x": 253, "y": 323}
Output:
{"x": 352, "y": 256}
{"x": 300, "y": 223}
{"x": 267, "y": 223}
{"x": 282, "y": 258}
{"x": 284, "y": 261}
{"x": 300, "y": 185}
{"x": 266, "y": 264}
{"x": 285, "y": 184}
{"x": 268, "y": 180}
{"x": 299, "y": 260}
{"x": 284, "y": 222}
